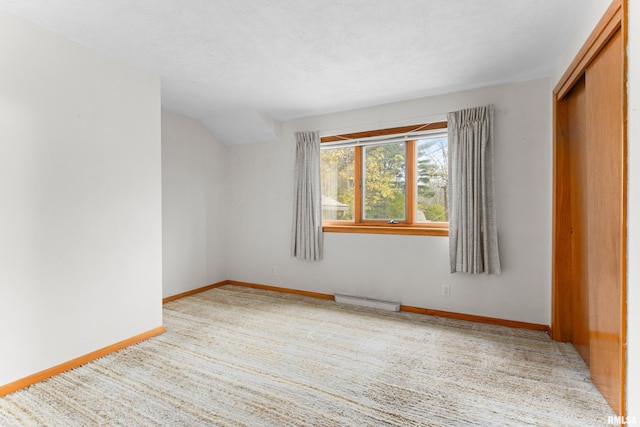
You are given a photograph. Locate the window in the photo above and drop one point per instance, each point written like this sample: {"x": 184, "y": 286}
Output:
{"x": 391, "y": 181}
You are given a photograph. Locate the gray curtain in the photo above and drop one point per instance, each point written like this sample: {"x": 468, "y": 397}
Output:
{"x": 306, "y": 239}
{"x": 473, "y": 236}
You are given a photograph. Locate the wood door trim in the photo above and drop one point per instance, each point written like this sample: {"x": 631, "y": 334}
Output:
{"x": 610, "y": 22}
{"x": 625, "y": 175}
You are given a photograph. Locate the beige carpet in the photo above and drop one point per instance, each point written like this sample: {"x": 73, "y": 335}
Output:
{"x": 238, "y": 356}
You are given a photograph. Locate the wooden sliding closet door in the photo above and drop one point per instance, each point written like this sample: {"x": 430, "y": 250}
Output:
{"x": 589, "y": 218}
{"x": 576, "y": 104}
{"x": 605, "y": 231}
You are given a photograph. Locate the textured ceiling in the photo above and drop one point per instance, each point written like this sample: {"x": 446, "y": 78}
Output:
{"x": 238, "y": 65}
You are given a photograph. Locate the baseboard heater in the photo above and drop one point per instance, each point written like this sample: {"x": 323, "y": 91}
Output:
{"x": 367, "y": 302}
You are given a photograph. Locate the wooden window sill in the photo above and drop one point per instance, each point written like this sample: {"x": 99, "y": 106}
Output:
{"x": 411, "y": 230}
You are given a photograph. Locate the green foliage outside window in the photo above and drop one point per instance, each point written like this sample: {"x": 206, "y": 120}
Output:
{"x": 432, "y": 179}
{"x": 384, "y": 181}
{"x": 337, "y": 169}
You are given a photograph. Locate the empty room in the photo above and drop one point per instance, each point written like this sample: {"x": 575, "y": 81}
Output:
{"x": 323, "y": 213}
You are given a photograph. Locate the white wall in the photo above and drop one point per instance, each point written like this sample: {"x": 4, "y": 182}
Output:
{"x": 194, "y": 174}
{"x": 633, "y": 193}
{"x": 80, "y": 190}
{"x": 409, "y": 269}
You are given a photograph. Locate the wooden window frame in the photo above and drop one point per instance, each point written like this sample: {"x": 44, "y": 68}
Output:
{"x": 407, "y": 227}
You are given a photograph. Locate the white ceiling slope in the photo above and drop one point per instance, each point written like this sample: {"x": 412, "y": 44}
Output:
{"x": 239, "y": 66}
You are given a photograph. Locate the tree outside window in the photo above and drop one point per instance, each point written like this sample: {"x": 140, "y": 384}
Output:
{"x": 390, "y": 180}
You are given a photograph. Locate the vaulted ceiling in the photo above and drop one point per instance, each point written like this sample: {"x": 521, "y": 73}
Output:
{"x": 239, "y": 65}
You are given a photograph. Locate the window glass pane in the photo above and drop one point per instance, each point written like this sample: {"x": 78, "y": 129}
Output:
{"x": 337, "y": 170}
{"x": 384, "y": 186}
{"x": 432, "y": 180}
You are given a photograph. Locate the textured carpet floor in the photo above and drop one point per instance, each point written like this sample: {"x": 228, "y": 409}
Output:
{"x": 238, "y": 356}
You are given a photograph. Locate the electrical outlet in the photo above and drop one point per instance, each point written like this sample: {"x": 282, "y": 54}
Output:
{"x": 446, "y": 290}
{"x": 273, "y": 271}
